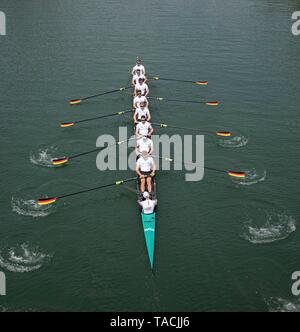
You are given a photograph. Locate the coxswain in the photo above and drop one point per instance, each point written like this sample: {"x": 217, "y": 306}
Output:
{"x": 148, "y": 205}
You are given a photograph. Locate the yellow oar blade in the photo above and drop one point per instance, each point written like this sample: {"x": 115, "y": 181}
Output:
{"x": 67, "y": 124}
{"x": 212, "y": 103}
{"x": 47, "y": 201}
{"x": 201, "y": 83}
{"x": 75, "y": 101}
{"x": 60, "y": 161}
{"x": 240, "y": 175}
{"x": 223, "y": 133}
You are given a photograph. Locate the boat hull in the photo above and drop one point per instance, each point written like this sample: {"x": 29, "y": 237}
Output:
{"x": 148, "y": 221}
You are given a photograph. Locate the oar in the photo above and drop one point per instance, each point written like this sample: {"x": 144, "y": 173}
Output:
{"x": 64, "y": 160}
{"x": 218, "y": 133}
{"x": 79, "y": 100}
{"x": 208, "y": 103}
{"x": 234, "y": 174}
{"x": 70, "y": 124}
{"x": 156, "y": 78}
{"x": 51, "y": 200}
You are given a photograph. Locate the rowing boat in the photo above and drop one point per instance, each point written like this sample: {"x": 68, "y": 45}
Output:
{"x": 149, "y": 223}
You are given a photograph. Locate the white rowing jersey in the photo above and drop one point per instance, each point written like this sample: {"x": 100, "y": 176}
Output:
{"x": 143, "y": 128}
{"x": 144, "y": 145}
{"x": 142, "y": 111}
{"x": 143, "y": 87}
{"x": 145, "y": 165}
{"x": 148, "y": 205}
{"x": 140, "y": 67}
{"x": 136, "y": 78}
{"x": 138, "y": 100}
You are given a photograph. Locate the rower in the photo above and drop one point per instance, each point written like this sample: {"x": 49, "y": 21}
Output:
{"x": 145, "y": 169}
{"x": 148, "y": 205}
{"x": 139, "y": 99}
{"x": 137, "y": 76}
{"x": 143, "y": 128}
{"x": 144, "y": 144}
{"x": 138, "y": 66}
{"x": 141, "y": 85}
{"x": 142, "y": 110}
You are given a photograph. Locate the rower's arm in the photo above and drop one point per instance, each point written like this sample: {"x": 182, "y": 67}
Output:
{"x": 148, "y": 116}
{"x": 133, "y": 81}
{"x": 137, "y": 152}
{"x": 137, "y": 169}
{"x": 147, "y": 92}
{"x": 151, "y": 148}
{"x": 137, "y": 133}
{"x": 134, "y": 117}
{"x": 150, "y": 130}
{"x": 153, "y": 167}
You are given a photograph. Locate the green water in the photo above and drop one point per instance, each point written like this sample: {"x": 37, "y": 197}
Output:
{"x": 89, "y": 253}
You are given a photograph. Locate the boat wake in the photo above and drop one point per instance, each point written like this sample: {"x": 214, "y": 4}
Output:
{"x": 30, "y": 208}
{"x": 253, "y": 176}
{"x": 234, "y": 142}
{"x": 282, "y": 305}
{"x": 277, "y": 227}
{"x": 23, "y": 258}
{"x": 44, "y": 155}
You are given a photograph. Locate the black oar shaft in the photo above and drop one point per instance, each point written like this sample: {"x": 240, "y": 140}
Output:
{"x": 163, "y": 125}
{"x": 172, "y": 79}
{"x": 106, "y": 93}
{"x": 182, "y": 162}
{"x": 177, "y": 100}
{"x": 102, "y": 116}
{"x": 97, "y": 188}
{"x": 97, "y": 149}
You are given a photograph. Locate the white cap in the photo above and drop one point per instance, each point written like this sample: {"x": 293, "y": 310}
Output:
{"x": 145, "y": 137}
{"x": 146, "y": 194}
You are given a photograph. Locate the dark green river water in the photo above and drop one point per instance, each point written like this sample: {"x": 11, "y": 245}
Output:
{"x": 220, "y": 244}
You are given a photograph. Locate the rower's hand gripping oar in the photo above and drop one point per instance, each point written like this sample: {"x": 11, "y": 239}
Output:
{"x": 65, "y": 160}
{"x": 70, "y": 124}
{"x": 51, "y": 200}
{"x": 218, "y": 133}
{"x": 79, "y": 100}
{"x": 208, "y": 103}
{"x": 234, "y": 174}
{"x": 157, "y": 78}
